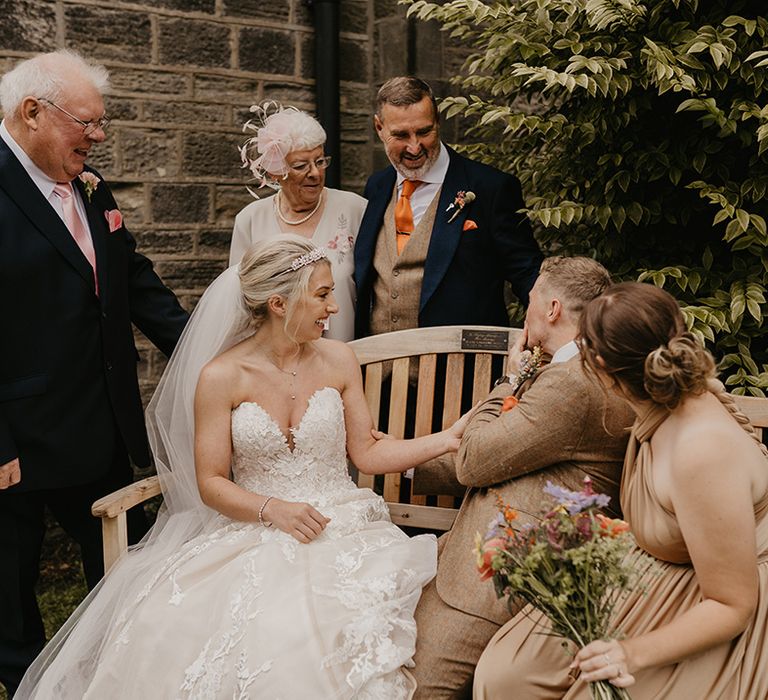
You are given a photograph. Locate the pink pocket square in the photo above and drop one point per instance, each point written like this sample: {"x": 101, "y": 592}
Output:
{"x": 469, "y": 225}
{"x": 114, "y": 219}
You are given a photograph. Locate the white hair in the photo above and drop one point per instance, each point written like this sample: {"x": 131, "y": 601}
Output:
{"x": 303, "y": 131}
{"x": 46, "y": 76}
{"x": 279, "y": 131}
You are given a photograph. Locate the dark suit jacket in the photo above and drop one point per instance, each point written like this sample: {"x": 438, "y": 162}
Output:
{"x": 465, "y": 270}
{"x": 68, "y": 385}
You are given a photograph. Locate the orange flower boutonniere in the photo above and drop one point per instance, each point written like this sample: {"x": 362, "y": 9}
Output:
{"x": 509, "y": 403}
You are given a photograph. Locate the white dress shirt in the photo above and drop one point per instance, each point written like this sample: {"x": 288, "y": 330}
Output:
{"x": 565, "y": 353}
{"x": 431, "y": 182}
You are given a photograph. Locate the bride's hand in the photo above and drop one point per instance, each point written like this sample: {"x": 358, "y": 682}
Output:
{"x": 456, "y": 431}
{"x": 299, "y": 520}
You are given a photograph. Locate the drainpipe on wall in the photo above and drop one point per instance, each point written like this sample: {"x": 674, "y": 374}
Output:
{"x": 326, "y": 13}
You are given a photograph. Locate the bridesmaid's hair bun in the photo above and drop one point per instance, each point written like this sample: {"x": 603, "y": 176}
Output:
{"x": 635, "y": 333}
{"x": 681, "y": 366}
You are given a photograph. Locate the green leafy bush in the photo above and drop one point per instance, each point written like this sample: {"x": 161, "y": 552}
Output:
{"x": 640, "y": 133}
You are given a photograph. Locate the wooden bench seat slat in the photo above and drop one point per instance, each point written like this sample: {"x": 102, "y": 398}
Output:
{"x": 373, "y": 377}
{"x": 398, "y": 405}
{"x": 422, "y": 516}
{"x": 454, "y": 381}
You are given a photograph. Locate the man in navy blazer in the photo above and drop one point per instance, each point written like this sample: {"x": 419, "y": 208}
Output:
{"x": 478, "y": 239}
{"x": 70, "y": 289}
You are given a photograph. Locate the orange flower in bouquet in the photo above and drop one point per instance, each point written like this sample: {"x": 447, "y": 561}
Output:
{"x": 574, "y": 565}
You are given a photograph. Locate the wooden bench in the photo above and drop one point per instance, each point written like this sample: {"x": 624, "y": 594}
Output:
{"x": 756, "y": 410}
{"x": 454, "y": 344}
{"x": 438, "y": 352}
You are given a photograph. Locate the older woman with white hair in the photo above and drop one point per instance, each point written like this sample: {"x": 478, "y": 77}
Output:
{"x": 287, "y": 154}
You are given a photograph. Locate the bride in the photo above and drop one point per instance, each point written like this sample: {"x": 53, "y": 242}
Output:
{"x": 269, "y": 574}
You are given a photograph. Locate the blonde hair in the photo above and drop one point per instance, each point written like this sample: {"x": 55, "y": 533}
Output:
{"x": 680, "y": 366}
{"x": 265, "y": 271}
{"x": 577, "y": 280}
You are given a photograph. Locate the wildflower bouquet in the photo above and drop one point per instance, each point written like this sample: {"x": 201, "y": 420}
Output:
{"x": 574, "y": 565}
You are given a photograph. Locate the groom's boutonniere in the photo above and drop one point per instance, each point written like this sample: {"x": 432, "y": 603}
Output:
{"x": 462, "y": 199}
{"x": 90, "y": 183}
{"x": 530, "y": 363}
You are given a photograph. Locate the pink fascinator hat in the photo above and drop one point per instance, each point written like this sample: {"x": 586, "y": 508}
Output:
{"x": 278, "y": 131}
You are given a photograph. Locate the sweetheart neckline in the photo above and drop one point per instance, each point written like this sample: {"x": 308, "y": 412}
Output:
{"x": 294, "y": 428}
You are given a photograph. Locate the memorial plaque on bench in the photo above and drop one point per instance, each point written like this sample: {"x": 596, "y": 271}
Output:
{"x": 487, "y": 341}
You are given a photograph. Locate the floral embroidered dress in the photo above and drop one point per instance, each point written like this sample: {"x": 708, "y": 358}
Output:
{"x": 243, "y": 611}
{"x": 336, "y": 232}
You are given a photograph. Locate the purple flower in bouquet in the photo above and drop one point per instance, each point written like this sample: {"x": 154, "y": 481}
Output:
{"x": 577, "y": 501}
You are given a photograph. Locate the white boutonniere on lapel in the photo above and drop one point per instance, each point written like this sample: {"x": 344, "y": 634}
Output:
{"x": 462, "y": 199}
{"x": 90, "y": 183}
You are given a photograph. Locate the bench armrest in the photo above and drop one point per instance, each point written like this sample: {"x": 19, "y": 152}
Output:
{"x": 119, "y": 501}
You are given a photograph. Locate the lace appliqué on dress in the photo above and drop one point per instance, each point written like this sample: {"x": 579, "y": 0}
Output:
{"x": 204, "y": 676}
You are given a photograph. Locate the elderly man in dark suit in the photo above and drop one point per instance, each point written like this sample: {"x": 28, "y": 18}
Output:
{"x": 555, "y": 423}
{"x": 441, "y": 232}
{"x": 71, "y": 284}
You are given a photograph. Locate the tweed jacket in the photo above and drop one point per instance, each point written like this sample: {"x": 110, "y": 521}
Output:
{"x": 564, "y": 428}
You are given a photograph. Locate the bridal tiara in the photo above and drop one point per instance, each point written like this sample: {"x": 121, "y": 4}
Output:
{"x": 307, "y": 259}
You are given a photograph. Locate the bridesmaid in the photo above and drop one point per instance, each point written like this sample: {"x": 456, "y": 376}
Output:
{"x": 695, "y": 492}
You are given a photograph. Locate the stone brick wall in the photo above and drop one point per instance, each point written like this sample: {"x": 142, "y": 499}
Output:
{"x": 184, "y": 73}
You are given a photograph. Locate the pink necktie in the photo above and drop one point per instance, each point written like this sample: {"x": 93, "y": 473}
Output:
{"x": 75, "y": 224}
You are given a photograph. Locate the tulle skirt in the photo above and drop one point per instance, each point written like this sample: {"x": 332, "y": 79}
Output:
{"x": 242, "y": 611}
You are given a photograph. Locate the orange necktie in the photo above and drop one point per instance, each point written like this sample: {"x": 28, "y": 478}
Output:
{"x": 404, "y": 214}
{"x": 63, "y": 191}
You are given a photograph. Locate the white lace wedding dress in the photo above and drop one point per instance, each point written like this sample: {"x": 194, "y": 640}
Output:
{"x": 244, "y": 611}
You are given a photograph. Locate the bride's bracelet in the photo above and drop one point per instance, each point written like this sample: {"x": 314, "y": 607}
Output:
{"x": 261, "y": 512}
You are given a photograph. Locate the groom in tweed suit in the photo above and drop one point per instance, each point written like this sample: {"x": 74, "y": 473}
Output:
{"x": 561, "y": 426}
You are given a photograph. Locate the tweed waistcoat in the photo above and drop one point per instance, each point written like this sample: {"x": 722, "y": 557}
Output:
{"x": 397, "y": 287}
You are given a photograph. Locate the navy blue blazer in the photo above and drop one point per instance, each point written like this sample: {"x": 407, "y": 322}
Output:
{"x": 464, "y": 272}
{"x": 69, "y": 393}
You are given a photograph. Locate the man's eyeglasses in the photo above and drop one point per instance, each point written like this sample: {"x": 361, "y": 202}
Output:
{"x": 303, "y": 168}
{"x": 88, "y": 127}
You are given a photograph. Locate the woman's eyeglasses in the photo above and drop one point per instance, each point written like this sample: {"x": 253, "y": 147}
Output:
{"x": 302, "y": 168}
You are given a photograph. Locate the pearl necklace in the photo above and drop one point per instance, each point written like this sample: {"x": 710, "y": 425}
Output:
{"x": 300, "y": 221}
